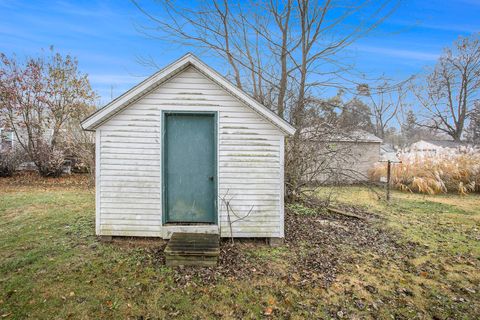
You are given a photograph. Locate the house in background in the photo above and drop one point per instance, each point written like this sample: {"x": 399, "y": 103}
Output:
{"x": 429, "y": 148}
{"x": 6, "y": 139}
{"x": 363, "y": 152}
{"x": 352, "y": 155}
{"x": 175, "y": 149}
{"x": 388, "y": 153}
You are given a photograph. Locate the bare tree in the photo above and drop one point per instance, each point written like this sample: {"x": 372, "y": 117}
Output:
{"x": 39, "y": 99}
{"x": 79, "y": 144}
{"x": 285, "y": 52}
{"x": 452, "y": 88}
{"x": 288, "y": 47}
{"x": 386, "y": 100}
{"x": 327, "y": 152}
{"x": 232, "y": 215}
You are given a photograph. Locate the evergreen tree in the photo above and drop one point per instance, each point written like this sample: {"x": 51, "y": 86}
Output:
{"x": 473, "y": 130}
{"x": 356, "y": 115}
{"x": 410, "y": 128}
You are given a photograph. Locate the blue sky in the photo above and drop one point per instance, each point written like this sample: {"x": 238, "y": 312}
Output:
{"x": 103, "y": 36}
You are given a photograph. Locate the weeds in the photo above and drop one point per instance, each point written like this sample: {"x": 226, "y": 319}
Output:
{"x": 302, "y": 210}
{"x": 443, "y": 174}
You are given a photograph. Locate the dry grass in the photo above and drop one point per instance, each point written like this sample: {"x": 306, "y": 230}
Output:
{"x": 26, "y": 181}
{"x": 442, "y": 174}
{"x": 418, "y": 258}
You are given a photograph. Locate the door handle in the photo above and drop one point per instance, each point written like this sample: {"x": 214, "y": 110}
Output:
{"x": 210, "y": 178}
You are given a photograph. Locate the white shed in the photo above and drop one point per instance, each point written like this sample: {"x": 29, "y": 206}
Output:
{"x": 172, "y": 149}
{"x": 432, "y": 148}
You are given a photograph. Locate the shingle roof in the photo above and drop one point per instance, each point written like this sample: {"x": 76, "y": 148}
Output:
{"x": 444, "y": 143}
{"x": 357, "y": 136}
{"x": 388, "y": 153}
{"x": 352, "y": 136}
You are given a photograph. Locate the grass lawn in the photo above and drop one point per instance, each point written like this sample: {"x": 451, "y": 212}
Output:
{"x": 419, "y": 257}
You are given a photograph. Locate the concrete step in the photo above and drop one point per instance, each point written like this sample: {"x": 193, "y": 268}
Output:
{"x": 192, "y": 249}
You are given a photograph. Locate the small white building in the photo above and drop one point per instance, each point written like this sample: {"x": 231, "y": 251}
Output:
{"x": 361, "y": 153}
{"x": 7, "y": 140}
{"x": 349, "y": 156}
{"x": 429, "y": 148}
{"x": 173, "y": 150}
{"x": 388, "y": 153}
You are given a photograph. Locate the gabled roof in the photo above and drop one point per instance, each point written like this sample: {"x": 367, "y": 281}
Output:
{"x": 356, "y": 136}
{"x": 118, "y": 104}
{"x": 443, "y": 143}
{"x": 388, "y": 153}
{"x": 363, "y": 136}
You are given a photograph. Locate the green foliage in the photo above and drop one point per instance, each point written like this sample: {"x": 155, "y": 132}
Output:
{"x": 301, "y": 209}
{"x": 52, "y": 266}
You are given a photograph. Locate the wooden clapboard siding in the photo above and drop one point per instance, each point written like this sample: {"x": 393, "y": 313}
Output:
{"x": 250, "y": 167}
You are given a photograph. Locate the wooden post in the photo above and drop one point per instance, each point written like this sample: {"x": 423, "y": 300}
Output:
{"x": 389, "y": 163}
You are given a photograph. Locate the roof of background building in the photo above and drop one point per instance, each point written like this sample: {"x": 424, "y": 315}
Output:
{"x": 443, "y": 143}
{"x": 358, "y": 136}
{"x": 388, "y": 153}
{"x": 351, "y": 136}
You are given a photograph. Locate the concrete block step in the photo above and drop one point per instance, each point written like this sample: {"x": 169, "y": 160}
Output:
{"x": 192, "y": 249}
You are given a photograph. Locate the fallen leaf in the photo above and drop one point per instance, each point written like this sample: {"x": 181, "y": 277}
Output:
{"x": 268, "y": 311}
{"x": 288, "y": 302}
{"x": 271, "y": 301}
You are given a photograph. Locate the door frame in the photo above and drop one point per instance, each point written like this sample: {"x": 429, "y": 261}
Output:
{"x": 163, "y": 179}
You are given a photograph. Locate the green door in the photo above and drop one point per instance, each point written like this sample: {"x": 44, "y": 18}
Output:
{"x": 189, "y": 168}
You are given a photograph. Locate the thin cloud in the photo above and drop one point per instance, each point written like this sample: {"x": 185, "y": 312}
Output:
{"x": 113, "y": 79}
{"x": 399, "y": 53}
{"x": 62, "y": 19}
{"x": 452, "y": 27}
{"x": 100, "y": 10}
{"x": 471, "y": 2}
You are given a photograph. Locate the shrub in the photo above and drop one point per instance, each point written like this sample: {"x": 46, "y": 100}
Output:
{"x": 49, "y": 161}
{"x": 440, "y": 174}
{"x": 10, "y": 159}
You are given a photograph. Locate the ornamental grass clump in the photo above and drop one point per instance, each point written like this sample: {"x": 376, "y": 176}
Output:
{"x": 432, "y": 175}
